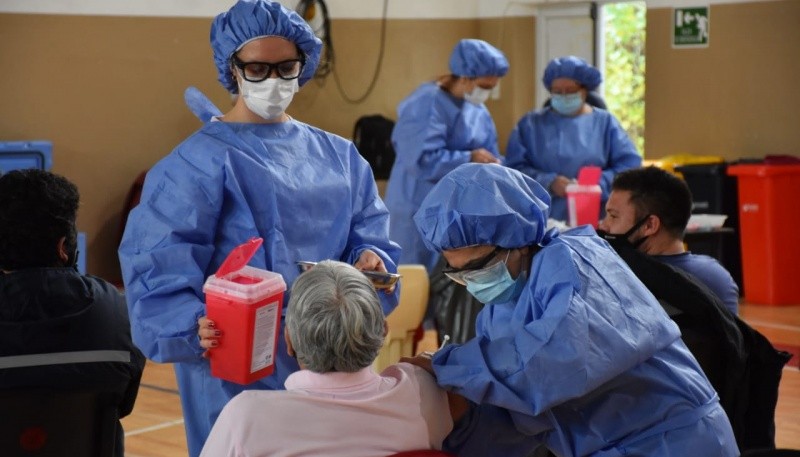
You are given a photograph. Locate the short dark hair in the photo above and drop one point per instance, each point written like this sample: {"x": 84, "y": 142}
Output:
{"x": 37, "y": 209}
{"x": 660, "y": 193}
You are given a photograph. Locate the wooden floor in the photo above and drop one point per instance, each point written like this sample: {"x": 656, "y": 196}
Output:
{"x": 155, "y": 428}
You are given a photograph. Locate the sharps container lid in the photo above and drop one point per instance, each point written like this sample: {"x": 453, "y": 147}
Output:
{"x": 239, "y": 257}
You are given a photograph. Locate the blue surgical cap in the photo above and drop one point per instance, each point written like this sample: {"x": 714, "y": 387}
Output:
{"x": 479, "y": 204}
{"x": 476, "y": 58}
{"x": 250, "y": 19}
{"x": 573, "y": 68}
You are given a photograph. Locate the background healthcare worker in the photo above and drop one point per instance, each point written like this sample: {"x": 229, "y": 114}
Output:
{"x": 571, "y": 349}
{"x": 552, "y": 144}
{"x": 440, "y": 126}
{"x": 254, "y": 171}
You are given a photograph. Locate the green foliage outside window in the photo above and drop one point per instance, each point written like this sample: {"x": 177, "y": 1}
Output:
{"x": 625, "y": 66}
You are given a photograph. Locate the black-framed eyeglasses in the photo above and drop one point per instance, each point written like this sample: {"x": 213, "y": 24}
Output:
{"x": 461, "y": 275}
{"x": 256, "y": 72}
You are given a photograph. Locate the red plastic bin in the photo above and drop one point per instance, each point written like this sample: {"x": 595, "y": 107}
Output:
{"x": 769, "y": 221}
{"x": 245, "y": 304}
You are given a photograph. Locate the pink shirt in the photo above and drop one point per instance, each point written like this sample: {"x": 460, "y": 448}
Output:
{"x": 360, "y": 414}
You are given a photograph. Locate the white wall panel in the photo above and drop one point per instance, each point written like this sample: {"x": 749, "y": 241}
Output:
{"x": 343, "y": 9}
{"x": 350, "y": 9}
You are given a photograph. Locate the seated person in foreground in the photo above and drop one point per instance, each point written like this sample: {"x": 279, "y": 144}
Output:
{"x": 335, "y": 405}
{"x": 650, "y": 208}
{"x": 47, "y": 308}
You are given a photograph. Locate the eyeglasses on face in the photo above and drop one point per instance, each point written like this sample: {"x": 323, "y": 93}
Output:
{"x": 464, "y": 275}
{"x": 259, "y": 71}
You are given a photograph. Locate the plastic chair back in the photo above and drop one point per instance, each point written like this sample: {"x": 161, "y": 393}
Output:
{"x": 407, "y": 317}
{"x": 771, "y": 453}
{"x": 423, "y": 453}
{"x": 45, "y": 422}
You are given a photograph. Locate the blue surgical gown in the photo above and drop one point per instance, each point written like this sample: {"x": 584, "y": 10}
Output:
{"x": 307, "y": 193}
{"x": 585, "y": 362}
{"x": 434, "y": 134}
{"x": 545, "y": 144}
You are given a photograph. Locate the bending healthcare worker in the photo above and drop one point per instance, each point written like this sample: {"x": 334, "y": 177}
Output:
{"x": 252, "y": 172}
{"x": 571, "y": 351}
{"x": 441, "y": 125}
{"x": 552, "y": 144}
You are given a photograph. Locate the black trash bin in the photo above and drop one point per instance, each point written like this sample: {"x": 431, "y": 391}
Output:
{"x": 714, "y": 192}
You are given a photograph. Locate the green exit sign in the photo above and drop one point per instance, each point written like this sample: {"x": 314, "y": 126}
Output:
{"x": 690, "y": 27}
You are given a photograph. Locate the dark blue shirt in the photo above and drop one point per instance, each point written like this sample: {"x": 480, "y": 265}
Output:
{"x": 710, "y": 273}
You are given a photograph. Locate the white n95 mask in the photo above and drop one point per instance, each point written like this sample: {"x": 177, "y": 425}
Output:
{"x": 270, "y": 97}
{"x": 478, "y": 96}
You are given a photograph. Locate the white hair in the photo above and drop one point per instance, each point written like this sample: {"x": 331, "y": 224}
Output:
{"x": 334, "y": 319}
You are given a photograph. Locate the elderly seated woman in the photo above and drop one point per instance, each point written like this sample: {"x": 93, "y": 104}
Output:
{"x": 336, "y": 405}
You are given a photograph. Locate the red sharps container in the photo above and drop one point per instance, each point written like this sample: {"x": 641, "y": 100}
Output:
{"x": 245, "y": 305}
{"x": 583, "y": 198}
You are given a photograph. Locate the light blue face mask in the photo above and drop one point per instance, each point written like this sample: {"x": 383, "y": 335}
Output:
{"x": 495, "y": 284}
{"x": 567, "y": 105}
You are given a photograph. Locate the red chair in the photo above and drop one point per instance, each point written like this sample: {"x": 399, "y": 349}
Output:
{"x": 423, "y": 453}
{"x": 53, "y": 422}
{"x": 771, "y": 453}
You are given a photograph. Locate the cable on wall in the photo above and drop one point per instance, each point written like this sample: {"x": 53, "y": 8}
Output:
{"x": 308, "y": 9}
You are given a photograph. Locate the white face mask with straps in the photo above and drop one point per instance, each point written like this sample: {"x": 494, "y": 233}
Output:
{"x": 478, "y": 96}
{"x": 270, "y": 97}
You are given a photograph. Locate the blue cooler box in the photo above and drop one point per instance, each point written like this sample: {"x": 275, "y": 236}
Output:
{"x": 82, "y": 252}
{"x": 17, "y": 155}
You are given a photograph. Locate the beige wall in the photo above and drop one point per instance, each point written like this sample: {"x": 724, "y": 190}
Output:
{"x": 516, "y": 37}
{"x": 737, "y": 98}
{"x": 108, "y": 91}
{"x": 406, "y": 63}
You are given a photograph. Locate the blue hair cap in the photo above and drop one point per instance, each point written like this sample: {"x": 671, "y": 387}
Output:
{"x": 250, "y": 19}
{"x": 475, "y": 58}
{"x": 573, "y": 68}
{"x": 480, "y": 204}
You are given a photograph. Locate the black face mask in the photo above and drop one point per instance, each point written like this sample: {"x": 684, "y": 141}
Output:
{"x": 615, "y": 239}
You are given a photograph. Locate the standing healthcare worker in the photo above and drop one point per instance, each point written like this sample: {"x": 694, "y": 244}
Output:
{"x": 441, "y": 125}
{"x": 571, "y": 350}
{"x": 552, "y": 144}
{"x": 253, "y": 172}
